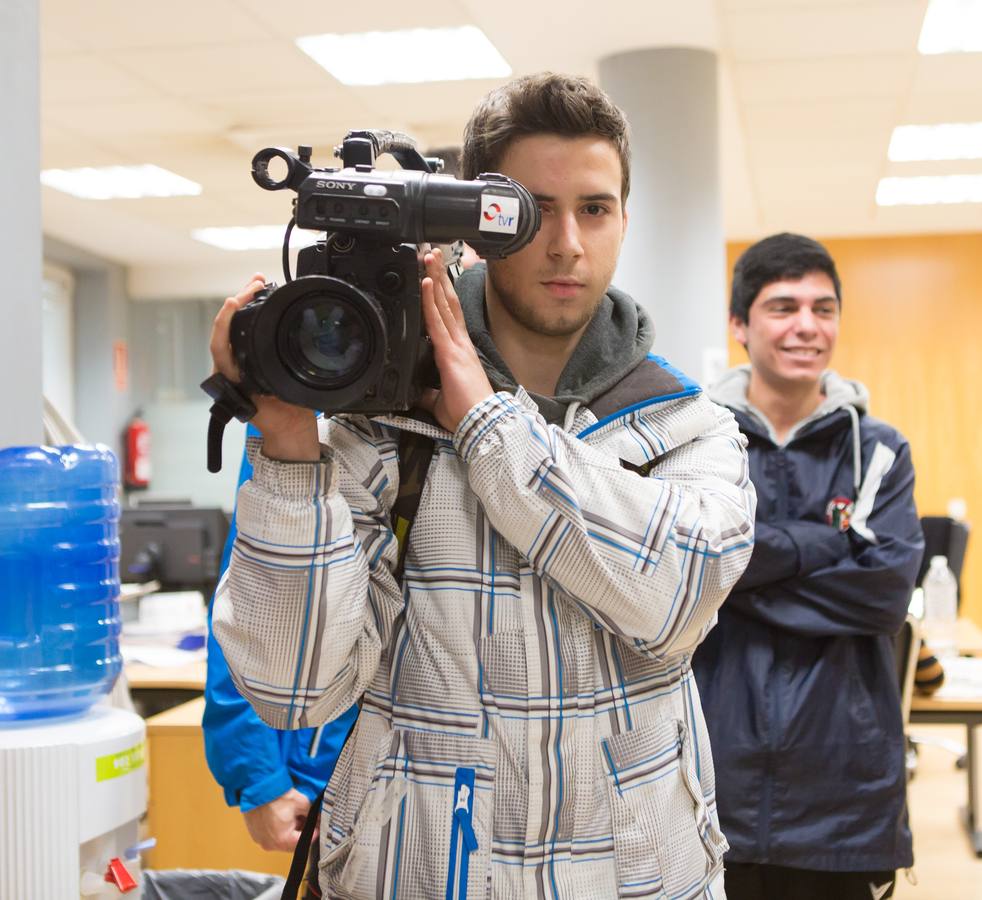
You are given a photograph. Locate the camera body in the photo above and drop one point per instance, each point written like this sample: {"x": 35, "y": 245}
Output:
{"x": 347, "y": 335}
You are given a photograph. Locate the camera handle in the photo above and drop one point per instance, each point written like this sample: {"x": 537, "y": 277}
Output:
{"x": 361, "y": 148}
{"x": 231, "y": 401}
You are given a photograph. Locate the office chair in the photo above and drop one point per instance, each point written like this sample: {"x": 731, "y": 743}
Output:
{"x": 906, "y": 646}
{"x": 944, "y": 536}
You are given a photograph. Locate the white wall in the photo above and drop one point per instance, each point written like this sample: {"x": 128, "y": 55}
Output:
{"x": 58, "y": 338}
{"x": 20, "y": 225}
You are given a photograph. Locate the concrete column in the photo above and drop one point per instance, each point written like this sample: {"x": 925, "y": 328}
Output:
{"x": 674, "y": 255}
{"x": 20, "y": 225}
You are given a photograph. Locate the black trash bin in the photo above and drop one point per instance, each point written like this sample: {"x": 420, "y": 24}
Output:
{"x": 190, "y": 884}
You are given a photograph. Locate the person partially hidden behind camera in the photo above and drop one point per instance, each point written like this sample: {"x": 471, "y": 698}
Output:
{"x": 529, "y": 725}
{"x": 798, "y": 679}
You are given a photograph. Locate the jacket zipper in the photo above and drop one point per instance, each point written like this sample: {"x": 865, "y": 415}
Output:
{"x": 763, "y": 826}
{"x": 463, "y": 840}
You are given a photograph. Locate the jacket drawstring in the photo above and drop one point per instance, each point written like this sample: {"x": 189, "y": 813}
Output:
{"x": 571, "y": 411}
{"x": 857, "y": 456}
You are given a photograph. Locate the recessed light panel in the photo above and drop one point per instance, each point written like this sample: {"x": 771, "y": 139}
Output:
{"x": 952, "y": 26}
{"x": 252, "y": 237}
{"x": 406, "y": 57}
{"x": 925, "y": 190}
{"x": 954, "y": 140}
{"x": 120, "y": 182}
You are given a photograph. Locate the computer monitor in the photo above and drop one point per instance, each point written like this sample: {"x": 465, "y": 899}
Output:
{"x": 178, "y": 545}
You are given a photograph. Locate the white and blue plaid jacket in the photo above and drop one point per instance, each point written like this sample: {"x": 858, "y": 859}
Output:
{"x": 530, "y": 727}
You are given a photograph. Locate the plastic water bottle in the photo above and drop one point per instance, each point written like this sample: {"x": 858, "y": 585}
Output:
{"x": 940, "y": 607}
{"x": 59, "y": 579}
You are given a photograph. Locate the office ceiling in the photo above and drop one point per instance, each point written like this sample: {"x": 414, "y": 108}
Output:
{"x": 810, "y": 91}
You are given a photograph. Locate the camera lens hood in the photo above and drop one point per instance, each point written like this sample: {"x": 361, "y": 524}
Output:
{"x": 319, "y": 342}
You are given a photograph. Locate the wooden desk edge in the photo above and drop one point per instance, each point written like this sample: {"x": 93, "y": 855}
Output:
{"x": 189, "y": 677}
{"x": 178, "y": 719}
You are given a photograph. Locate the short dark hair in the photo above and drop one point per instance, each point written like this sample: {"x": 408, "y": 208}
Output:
{"x": 776, "y": 258}
{"x": 546, "y": 103}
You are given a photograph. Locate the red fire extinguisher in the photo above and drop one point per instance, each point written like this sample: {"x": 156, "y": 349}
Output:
{"x": 136, "y": 444}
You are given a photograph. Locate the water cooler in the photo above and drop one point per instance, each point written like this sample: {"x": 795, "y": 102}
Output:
{"x": 72, "y": 770}
{"x": 73, "y": 792}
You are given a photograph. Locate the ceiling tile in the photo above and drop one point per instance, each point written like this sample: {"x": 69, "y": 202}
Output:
{"x": 819, "y": 119}
{"x": 945, "y": 88}
{"x": 804, "y": 80}
{"x": 223, "y": 69}
{"x": 287, "y": 116}
{"x": 823, "y": 30}
{"x": 123, "y": 24}
{"x": 54, "y": 44}
{"x": 813, "y": 200}
{"x": 932, "y": 109}
{"x": 82, "y": 78}
{"x": 948, "y": 72}
{"x": 125, "y": 118}
{"x": 745, "y": 5}
{"x": 304, "y": 17}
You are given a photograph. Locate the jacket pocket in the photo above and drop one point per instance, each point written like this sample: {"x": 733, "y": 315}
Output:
{"x": 424, "y": 829}
{"x": 666, "y": 843}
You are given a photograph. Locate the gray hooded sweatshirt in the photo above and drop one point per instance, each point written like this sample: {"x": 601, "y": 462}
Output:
{"x": 615, "y": 342}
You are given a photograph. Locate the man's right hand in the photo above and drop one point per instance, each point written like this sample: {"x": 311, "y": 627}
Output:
{"x": 289, "y": 432}
{"x": 277, "y": 825}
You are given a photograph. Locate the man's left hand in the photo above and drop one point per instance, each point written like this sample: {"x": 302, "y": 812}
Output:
{"x": 463, "y": 382}
{"x": 277, "y": 825}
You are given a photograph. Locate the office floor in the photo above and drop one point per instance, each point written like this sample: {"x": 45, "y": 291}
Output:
{"x": 944, "y": 865}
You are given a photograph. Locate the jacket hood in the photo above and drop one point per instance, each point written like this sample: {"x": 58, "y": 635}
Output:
{"x": 840, "y": 393}
{"x": 615, "y": 342}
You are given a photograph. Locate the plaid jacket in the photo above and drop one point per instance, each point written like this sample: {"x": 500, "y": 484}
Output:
{"x": 530, "y": 726}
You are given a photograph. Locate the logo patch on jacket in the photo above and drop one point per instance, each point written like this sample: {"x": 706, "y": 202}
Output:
{"x": 839, "y": 513}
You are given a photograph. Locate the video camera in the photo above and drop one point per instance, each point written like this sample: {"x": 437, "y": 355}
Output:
{"x": 347, "y": 335}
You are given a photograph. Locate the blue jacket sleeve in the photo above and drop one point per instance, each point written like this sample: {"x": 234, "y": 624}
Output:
{"x": 252, "y": 762}
{"x": 842, "y": 585}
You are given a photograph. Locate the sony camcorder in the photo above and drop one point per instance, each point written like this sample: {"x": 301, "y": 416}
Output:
{"x": 347, "y": 334}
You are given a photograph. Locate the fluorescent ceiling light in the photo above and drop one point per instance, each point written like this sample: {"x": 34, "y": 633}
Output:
{"x": 120, "y": 182}
{"x": 954, "y": 140}
{"x": 252, "y": 237}
{"x": 952, "y": 26}
{"x": 406, "y": 57}
{"x": 922, "y": 190}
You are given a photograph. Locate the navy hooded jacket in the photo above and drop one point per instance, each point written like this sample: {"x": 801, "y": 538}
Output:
{"x": 798, "y": 680}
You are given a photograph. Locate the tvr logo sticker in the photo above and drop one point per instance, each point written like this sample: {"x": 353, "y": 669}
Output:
{"x": 499, "y": 214}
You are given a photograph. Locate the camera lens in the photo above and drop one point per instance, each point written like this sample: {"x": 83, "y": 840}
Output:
{"x": 329, "y": 339}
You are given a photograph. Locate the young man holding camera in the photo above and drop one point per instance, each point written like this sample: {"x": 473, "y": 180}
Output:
{"x": 530, "y": 724}
{"x": 798, "y": 679}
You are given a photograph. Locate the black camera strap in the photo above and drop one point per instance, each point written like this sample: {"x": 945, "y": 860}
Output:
{"x": 415, "y": 455}
{"x": 231, "y": 401}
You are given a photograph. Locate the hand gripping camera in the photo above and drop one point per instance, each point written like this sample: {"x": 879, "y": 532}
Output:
{"x": 347, "y": 335}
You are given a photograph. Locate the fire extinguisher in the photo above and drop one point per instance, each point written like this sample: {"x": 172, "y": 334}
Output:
{"x": 136, "y": 444}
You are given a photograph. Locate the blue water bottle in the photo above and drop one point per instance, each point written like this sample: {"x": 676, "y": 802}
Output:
{"x": 59, "y": 579}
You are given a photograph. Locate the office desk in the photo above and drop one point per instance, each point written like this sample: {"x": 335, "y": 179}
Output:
{"x": 955, "y": 707}
{"x": 190, "y": 677}
{"x": 968, "y": 637}
{"x": 158, "y": 688}
{"x": 186, "y": 810}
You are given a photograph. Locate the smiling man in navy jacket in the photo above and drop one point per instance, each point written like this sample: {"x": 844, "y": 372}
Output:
{"x": 798, "y": 680}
